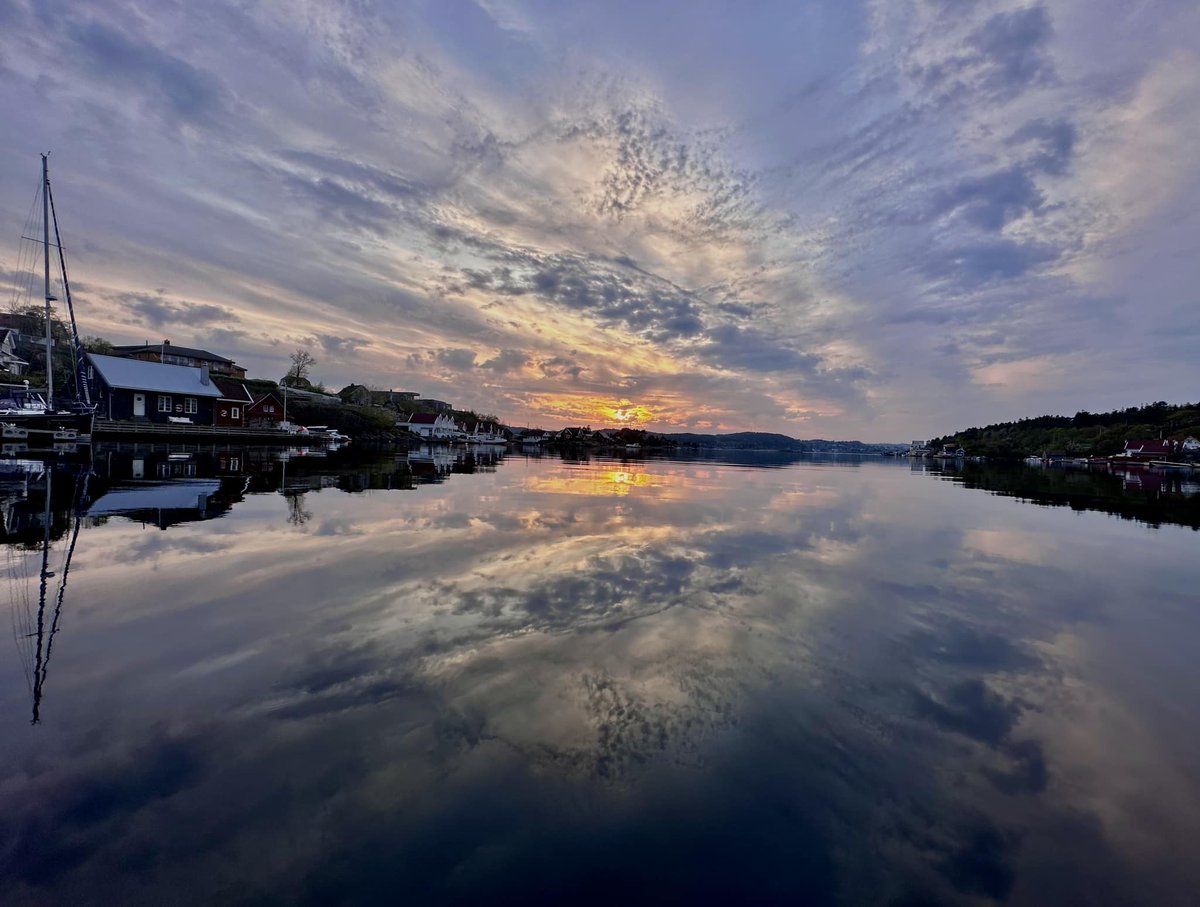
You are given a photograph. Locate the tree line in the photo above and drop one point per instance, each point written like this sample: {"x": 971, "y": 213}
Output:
{"x": 1084, "y": 434}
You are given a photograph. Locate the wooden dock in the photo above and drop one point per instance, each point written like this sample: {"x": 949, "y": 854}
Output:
{"x": 109, "y": 428}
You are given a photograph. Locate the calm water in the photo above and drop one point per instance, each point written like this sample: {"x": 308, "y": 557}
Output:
{"x": 542, "y": 681}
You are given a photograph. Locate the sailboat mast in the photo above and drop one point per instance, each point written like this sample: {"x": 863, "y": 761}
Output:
{"x": 82, "y": 390}
{"x": 49, "y": 298}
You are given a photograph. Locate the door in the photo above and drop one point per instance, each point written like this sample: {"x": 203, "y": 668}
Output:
{"x": 139, "y": 405}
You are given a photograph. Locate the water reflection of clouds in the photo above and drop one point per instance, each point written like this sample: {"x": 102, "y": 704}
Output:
{"x": 605, "y": 482}
{"x": 801, "y": 661}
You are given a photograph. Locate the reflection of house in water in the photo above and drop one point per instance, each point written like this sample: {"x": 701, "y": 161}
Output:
{"x": 166, "y": 504}
{"x": 1159, "y": 483}
{"x": 165, "y": 487}
{"x": 433, "y": 463}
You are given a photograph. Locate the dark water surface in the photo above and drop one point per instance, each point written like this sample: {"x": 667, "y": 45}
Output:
{"x": 543, "y": 681}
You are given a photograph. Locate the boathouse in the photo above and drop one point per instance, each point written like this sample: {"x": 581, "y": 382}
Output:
{"x": 434, "y": 426}
{"x": 130, "y": 389}
{"x": 233, "y": 404}
{"x": 266, "y": 411}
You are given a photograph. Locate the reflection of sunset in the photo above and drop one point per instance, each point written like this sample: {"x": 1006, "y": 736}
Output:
{"x": 601, "y": 483}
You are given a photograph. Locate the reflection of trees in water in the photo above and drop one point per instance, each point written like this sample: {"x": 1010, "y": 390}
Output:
{"x": 297, "y": 514}
{"x": 1145, "y": 495}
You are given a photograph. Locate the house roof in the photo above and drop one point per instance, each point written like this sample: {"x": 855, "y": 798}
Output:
{"x": 422, "y": 419}
{"x": 203, "y": 355}
{"x": 232, "y": 390}
{"x": 269, "y": 395}
{"x": 1152, "y": 446}
{"x": 133, "y": 374}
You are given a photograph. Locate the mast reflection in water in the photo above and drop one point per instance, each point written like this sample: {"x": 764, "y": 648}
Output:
{"x": 36, "y": 627}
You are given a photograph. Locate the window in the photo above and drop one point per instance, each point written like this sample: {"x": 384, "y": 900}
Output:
{"x": 237, "y": 412}
{"x": 164, "y": 403}
{"x": 190, "y": 405}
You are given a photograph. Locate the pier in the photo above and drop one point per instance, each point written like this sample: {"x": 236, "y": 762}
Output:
{"x": 111, "y": 428}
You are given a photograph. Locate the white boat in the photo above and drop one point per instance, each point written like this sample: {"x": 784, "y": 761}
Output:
{"x": 325, "y": 434}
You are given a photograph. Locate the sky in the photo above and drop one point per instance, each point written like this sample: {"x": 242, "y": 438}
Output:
{"x": 879, "y": 221}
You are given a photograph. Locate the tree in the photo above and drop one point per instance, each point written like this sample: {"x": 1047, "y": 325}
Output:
{"x": 96, "y": 345}
{"x": 302, "y": 363}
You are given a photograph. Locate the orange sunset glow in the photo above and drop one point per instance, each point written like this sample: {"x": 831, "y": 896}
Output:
{"x": 594, "y": 411}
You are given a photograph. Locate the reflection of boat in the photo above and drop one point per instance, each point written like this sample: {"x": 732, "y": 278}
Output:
{"x": 26, "y": 414}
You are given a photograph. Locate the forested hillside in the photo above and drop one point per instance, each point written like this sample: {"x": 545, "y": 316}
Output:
{"x": 1083, "y": 434}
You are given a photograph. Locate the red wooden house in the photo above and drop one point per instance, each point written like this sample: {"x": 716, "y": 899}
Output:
{"x": 233, "y": 405}
{"x": 266, "y": 411}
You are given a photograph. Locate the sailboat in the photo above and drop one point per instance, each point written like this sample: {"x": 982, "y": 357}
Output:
{"x": 26, "y": 413}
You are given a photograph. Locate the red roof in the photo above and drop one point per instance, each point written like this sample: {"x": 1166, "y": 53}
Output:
{"x": 1149, "y": 447}
{"x": 232, "y": 390}
{"x": 422, "y": 419}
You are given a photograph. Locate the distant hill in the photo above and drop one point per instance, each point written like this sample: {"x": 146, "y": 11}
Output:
{"x": 1084, "y": 434}
{"x": 761, "y": 440}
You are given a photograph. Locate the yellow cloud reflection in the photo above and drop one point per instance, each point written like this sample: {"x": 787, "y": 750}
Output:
{"x": 600, "y": 483}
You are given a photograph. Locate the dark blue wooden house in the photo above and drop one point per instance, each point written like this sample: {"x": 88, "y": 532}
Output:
{"x": 129, "y": 389}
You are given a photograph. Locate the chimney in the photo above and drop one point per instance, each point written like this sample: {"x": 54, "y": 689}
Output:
{"x": 204, "y": 374}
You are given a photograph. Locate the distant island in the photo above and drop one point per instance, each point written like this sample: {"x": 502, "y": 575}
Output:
{"x": 759, "y": 440}
{"x": 1082, "y": 435}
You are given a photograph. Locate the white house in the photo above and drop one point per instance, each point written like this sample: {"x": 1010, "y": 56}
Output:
{"x": 9, "y": 360}
{"x": 436, "y": 426}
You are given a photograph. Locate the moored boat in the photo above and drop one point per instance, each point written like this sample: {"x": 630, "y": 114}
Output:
{"x": 40, "y": 416}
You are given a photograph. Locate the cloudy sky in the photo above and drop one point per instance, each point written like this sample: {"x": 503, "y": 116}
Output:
{"x": 876, "y": 220}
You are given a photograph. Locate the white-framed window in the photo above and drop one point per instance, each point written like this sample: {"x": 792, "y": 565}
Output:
{"x": 189, "y": 405}
{"x": 164, "y": 403}
{"x": 237, "y": 412}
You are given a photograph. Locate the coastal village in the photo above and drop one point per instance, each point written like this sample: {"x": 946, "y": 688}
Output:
{"x": 168, "y": 390}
